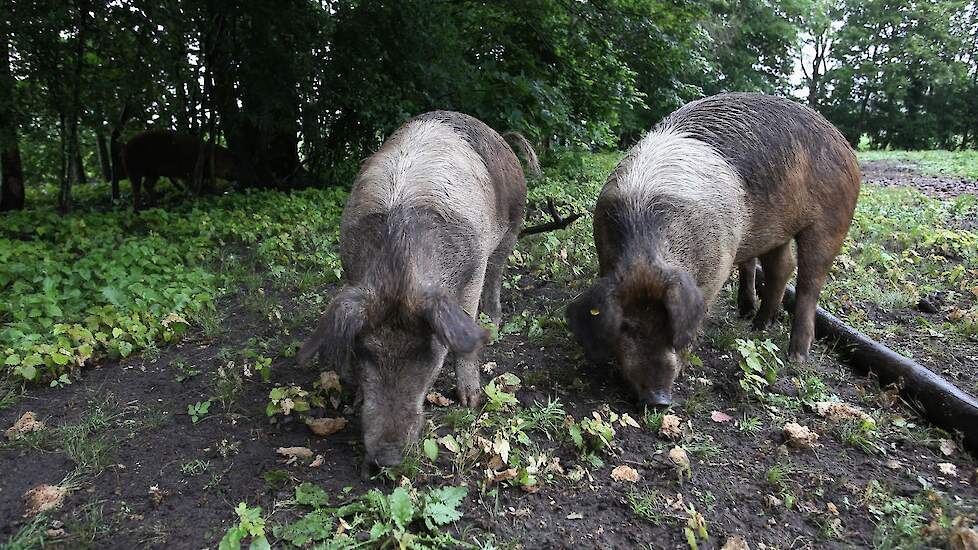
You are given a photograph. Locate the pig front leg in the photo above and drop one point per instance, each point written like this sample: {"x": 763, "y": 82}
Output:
{"x": 467, "y": 379}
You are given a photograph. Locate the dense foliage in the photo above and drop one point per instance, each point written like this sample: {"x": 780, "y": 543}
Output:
{"x": 111, "y": 283}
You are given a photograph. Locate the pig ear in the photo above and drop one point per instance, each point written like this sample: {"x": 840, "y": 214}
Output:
{"x": 452, "y": 325}
{"x": 684, "y": 303}
{"x": 592, "y": 319}
{"x": 338, "y": 328}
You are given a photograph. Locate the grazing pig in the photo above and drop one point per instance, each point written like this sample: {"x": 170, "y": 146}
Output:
{"x": 157, "y": 153}
{"x": 718, "y": 183}
{"x": 426, "y": 232}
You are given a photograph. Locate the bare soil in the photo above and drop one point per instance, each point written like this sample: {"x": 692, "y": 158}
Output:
{"x": 890, "y": 173}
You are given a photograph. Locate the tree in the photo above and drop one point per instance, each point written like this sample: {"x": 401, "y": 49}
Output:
{"x": 817, "y": 34}
{"x": 11, "y": 171}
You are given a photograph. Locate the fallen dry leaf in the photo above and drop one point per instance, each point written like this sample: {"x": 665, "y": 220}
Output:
{"x": 719, "y": 416}
{"x": 841, "y": 411}
{"x": 317, "y": 462}
{"x": 504, "y": 475}
{"x": 25, "y": 424}
{"x": 679, "y": 457}
{"x": 489, "y": 367}
{"x": 575, "y": 515}
{"x": 963, "y": 538}
{"x": 325, "y": 426}
{"x": 832, "y": 508}
{"x": 330, "y": 381}
{"x": 292, "y": 454}
{"x": 43, "y": 498}
{"x": 55, "y": 533}
{"x": 670, "y": 426}
{"x": 948, "y": 469}
{"x": 627, "y": 420}
{"x": 947, "y": 447}
{"x": 156, "y": 495}
{"x": 436, "y": 398}
{"x": 893, "y": 464}
{"x": 624, "y": 473}
{"x": 798, "y": 436}
{"x": 736, "y": 542}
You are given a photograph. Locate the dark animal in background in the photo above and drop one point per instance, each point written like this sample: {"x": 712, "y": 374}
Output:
{"x": 424, "y": 238}
{"x": 718, "y": 183}
{"x": 164, "y": 153}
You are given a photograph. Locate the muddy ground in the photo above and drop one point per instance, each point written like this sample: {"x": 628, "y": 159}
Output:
{"x": 143, "y": 475}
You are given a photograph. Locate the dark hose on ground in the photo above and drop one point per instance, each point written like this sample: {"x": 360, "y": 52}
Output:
{"x": 942, "y": 402}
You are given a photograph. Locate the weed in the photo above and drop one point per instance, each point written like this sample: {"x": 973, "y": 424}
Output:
{"x": 759, "y": 366}
{"x": 647, "y": 505}
{"x": 184, "y": 371}
{"x": 198, "y": 410}
{"x": 750, "y": 424}
{"x": 251, "y": 525}
{"x": 194, "y": 467}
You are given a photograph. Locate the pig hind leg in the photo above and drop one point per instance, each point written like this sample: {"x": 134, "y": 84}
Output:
{"x": 489, "y": 302}
{"x": 746, "y": 288}
{"x": 778, "y": 265}
{"x": 817, "y": 248}
{"x": 137, "y": 188}
{"x": 467, "y": 380}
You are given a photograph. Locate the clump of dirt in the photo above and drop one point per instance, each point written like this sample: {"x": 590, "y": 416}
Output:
{"x": 24, "y": 425}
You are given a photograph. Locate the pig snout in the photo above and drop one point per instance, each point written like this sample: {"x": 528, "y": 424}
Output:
{"x": 387, "y": 455}
{"x": 657, "y": 398}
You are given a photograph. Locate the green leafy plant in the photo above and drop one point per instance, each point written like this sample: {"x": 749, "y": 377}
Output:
{"x": 251, "y": 525}
{"x": 285, "y": 400}
{"x": 198, "y": 410}
{"x": 405, "y": 518}
{"x": 759, "y": 366}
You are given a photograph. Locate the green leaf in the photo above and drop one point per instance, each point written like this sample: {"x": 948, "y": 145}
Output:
{"x": 442, "y": 505}
{"x": 12, "y": 360}
{"x": 232, "y": 539}
{"x": 114, "y": 296}
{"x": 29, "y": 373}
{"x": 60, "y": 358}
{"x": 311, "y": 495}
{"x": 430, "y": 448}
{"x": 125, "y": 348}
{"x": 402, "y": 509}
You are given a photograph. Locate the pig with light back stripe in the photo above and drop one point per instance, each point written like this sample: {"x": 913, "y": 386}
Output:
{"x": 719, "y": 183}
{"x": 424, "y": 238}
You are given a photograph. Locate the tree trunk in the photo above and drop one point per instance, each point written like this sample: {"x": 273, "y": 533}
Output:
{"x": 80, "y": 176}
{"x": 11, "y": 170}
{"x": 104, "y": 160}
{"x": 73, "y": 154}
{"x": 115, "y": 151}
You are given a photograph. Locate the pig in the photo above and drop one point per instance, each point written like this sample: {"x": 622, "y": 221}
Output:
{"x": 721, "y": 182}
{"x": 425, "y": 235}
{"x": 155, "y": 153}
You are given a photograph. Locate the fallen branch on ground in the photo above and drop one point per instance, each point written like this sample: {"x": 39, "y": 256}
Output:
{"x": 557, "y": 223}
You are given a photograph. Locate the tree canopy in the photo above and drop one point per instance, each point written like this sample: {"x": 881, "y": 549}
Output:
{"x": 302, "y": 90}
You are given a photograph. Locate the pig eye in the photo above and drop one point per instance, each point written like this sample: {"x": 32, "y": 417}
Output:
{"x": 362, "y": 353}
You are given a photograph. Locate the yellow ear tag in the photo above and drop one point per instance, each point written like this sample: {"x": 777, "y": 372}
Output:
{"x": 595, "y": 311}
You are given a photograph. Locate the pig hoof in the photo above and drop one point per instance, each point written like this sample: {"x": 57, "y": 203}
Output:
{"x": 760, "y": 323}
{"x": 469, "y": 396}
{"x": 798, "y": 358}
{"x": 745, "y": 309}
